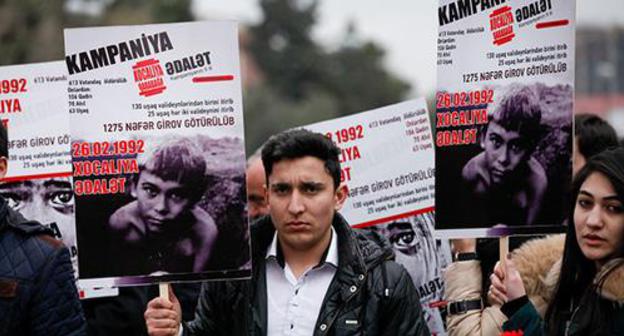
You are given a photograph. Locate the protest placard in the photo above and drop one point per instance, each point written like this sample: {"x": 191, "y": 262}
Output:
{"x": 158, "y": 155}
{"x": 504, "y": 116}
{"x": 33, "y": 107}
{"x": 387, "y": 163}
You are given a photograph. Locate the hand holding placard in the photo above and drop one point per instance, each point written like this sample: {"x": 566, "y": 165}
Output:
{"x": 163, "y": 314}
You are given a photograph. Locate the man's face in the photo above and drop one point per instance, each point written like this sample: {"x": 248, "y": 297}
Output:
{"x": 160, "y": 202}
{"x": 578, "y": 160}
{"x": 505, "y": 150}
{"x": 50, "y": 202}
{"x": 302, "y": 201}
{"x": 256, "y": 201}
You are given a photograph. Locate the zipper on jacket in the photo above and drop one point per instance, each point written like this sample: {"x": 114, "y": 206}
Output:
{"x": 568, "y": 323}
{"x": 384, "y": 276}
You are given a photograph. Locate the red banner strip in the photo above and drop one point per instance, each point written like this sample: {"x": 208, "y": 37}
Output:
{"x": 207, "y": 79}
{"x": 551, "y": 24}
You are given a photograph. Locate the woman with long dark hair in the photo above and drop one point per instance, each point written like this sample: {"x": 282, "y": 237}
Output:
{"x": 589, "y": 296}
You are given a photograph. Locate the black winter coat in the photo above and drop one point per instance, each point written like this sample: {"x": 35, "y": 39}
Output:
{"x": 368, "y": 287}
{"x": 38, "y": 295}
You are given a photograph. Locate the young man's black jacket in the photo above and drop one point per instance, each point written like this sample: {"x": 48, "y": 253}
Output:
{"x": 368, "y": 288}
{"x": 38, "y": 294}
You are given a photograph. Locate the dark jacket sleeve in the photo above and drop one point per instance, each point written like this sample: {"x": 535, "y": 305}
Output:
{"x": 527, "y": 320}
{"x": 220, "y": 310}
{"x": 402, "y": 313}
{"x": 55, "y": 308}
{"x": 204, "y": 322}
{"x": 117, "y": 315}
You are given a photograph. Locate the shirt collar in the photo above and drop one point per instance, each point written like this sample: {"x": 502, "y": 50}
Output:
{"x": 330, "y": 255}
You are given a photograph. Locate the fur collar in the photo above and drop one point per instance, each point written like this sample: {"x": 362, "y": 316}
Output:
{"x": 539, "y": 264}
{"x": 610, "y": 280}
{"x": 534, "y": 260}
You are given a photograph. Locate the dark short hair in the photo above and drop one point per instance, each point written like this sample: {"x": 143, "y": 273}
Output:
{"x": 295, "y": 144}
{"x": 181, "y": 161}
{"x": 519, "y": 110}
{"x": 4, "y": 141}
{"x": 593, "y": 134}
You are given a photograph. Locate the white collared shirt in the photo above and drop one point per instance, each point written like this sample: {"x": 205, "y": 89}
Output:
{"x": 293, "y": 305}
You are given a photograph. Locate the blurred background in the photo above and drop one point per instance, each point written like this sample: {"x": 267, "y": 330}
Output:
{"x": 310, "y": 60}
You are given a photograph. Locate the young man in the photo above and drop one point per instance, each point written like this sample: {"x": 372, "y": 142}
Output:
{"x": 38, "y": 295}
{"x": 505, "y": 183}
{"x": 312, "y": 274}
{"x": 164, "y": 230}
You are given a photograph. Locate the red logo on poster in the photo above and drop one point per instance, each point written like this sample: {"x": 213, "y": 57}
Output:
{"x": 148, "y": 75}
{"x": 501, "y": 25}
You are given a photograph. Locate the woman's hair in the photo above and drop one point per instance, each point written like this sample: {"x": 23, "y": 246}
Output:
{"x": 578, "y": 272}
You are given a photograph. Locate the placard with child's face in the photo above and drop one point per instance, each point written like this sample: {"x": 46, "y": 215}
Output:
{"x": 158, "y": 155}
{"x": 38, "y": 183}
{"x": 504, "y": 117}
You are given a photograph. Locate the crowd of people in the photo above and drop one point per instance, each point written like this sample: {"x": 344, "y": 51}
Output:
{"x": 312, "y": 274}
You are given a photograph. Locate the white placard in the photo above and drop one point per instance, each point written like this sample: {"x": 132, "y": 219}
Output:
{"x": 386, "y": 161}
{"x": 504, "y": 115}
{"x": 38, "y": 184}
{"x": 151, "y": 108}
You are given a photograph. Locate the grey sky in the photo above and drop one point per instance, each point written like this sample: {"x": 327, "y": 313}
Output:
{"x": 406, "y": 28}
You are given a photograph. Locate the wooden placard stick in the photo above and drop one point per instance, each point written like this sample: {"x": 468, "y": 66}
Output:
{"x": 503, "y": 250}
{"x": 163, "y": 289}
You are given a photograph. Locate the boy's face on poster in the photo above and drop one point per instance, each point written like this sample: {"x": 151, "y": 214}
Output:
{"x": 505, "y": 151}
{"x": 50, "y": 202}
{"x": 160, "y": 202}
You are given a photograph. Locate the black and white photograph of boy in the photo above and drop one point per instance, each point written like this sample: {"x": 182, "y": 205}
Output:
{"x": 182, "y": 215}
{"x": 517, "y": 172}
{"x": 164, "y": 229}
